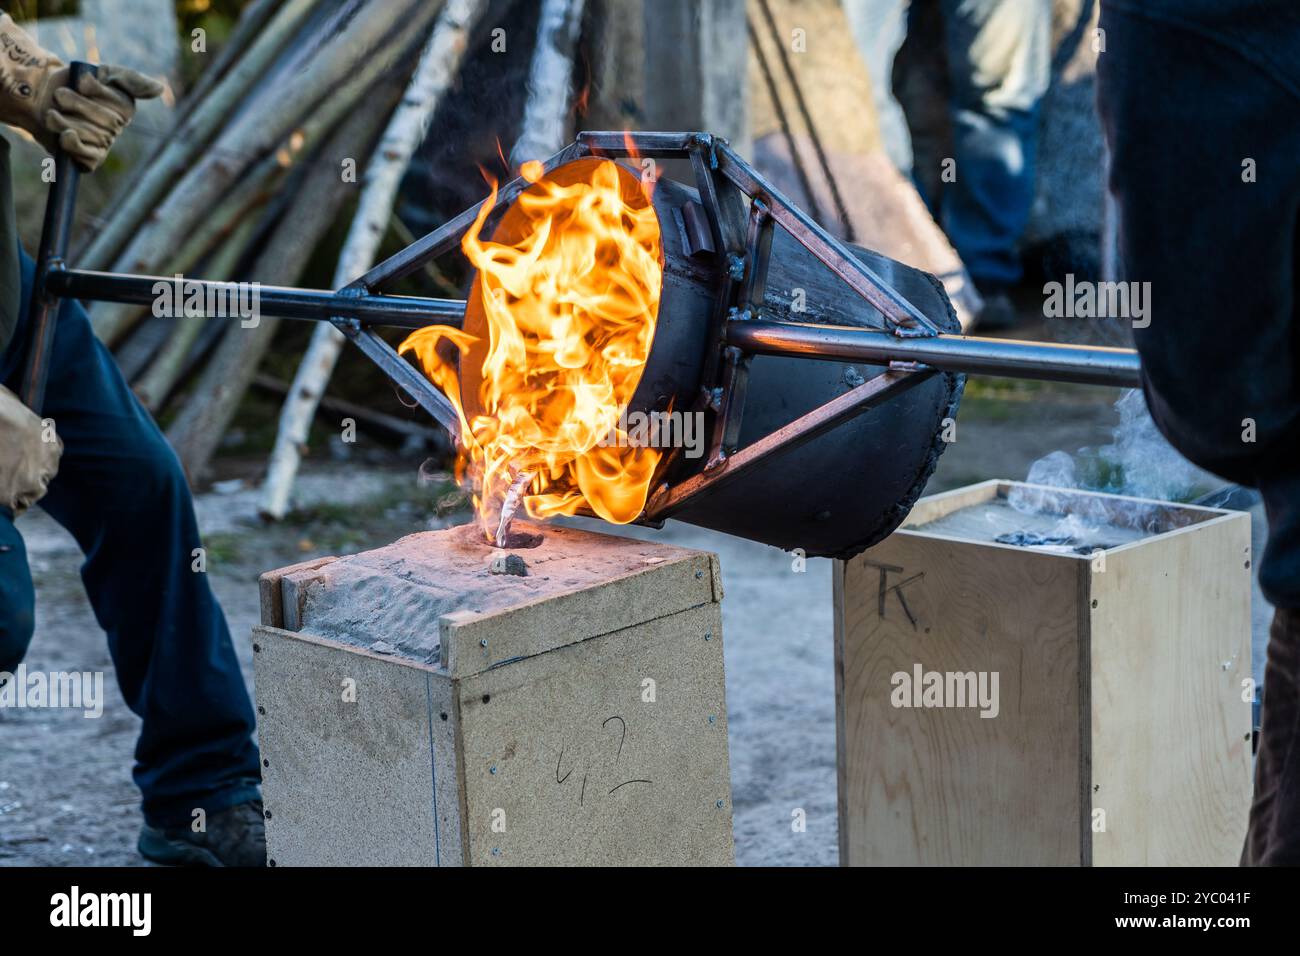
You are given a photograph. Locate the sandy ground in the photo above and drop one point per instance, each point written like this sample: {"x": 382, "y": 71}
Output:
{"x": 65, "y": 789}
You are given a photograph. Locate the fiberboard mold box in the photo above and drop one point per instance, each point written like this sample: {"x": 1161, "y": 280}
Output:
{"x": 415, "y": 709}
{"x": 1111, "y": 661}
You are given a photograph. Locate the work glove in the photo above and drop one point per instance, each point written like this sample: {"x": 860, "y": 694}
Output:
{"x": 35, "y": 96}
{"x": 27, "y": 462}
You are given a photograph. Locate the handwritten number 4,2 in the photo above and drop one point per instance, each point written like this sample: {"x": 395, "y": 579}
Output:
{"x": 616, "y": 741}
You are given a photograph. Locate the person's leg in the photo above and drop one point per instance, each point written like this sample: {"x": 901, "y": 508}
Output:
{"x": 999, "y": 66}
{"x": 122, "y": 494}
{"x": 920, "y": 83}
{"x": 17, "y": 599}
{"x": 879, "y": 27}
{"x": 1273, "y": 836}
{"x": 1202, "y": 148}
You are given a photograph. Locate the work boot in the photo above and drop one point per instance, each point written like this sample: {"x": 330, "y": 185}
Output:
{"x": 1273, "y": 838}
{"x": 234, "y": 837}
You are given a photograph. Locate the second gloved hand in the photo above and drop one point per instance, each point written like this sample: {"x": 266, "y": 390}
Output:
{"x": 29, "y": 454}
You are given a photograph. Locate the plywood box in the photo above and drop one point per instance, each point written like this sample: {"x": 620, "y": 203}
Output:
{"x": 415, "y": 709}
{"x": 1120, "y": 730}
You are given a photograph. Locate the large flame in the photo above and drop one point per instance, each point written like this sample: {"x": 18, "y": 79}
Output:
{"x": 569, "y": 312}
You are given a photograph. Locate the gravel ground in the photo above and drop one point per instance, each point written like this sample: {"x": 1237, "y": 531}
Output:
{"x": 66, "y": 794}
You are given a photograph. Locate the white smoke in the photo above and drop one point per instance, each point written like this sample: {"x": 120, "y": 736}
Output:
{"x": 1138, "y": 463}
{"x": 1150, "y": 466}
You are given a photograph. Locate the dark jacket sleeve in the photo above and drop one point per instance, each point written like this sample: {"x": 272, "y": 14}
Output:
{"x": 1204, "y": 135}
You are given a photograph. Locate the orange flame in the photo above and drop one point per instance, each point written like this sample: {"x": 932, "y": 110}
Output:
{"x": 569, "y": 310}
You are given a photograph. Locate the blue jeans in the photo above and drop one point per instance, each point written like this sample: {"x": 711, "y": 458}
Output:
{"x": 999, "y": 68}
{"x": 122, "y": 494}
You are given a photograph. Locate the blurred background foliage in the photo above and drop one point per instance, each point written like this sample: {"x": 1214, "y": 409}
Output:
{"x": 216, "y": 18}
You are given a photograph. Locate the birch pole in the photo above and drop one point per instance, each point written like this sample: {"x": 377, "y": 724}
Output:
{"x": 195, "y": 130}
{"x": 550, "y": 77}
{"x": 253, "y": 134}
{"x": 438, "y": 66}
{"x": 203, "y": 419}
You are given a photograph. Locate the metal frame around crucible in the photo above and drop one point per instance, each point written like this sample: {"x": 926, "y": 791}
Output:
{"x": 910, "y": 346}
{"x": 741, "y": 239}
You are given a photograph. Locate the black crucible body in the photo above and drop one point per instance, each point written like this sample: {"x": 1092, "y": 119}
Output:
{"x": 833, "y": 495}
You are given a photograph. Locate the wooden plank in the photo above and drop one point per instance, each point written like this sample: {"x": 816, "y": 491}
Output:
{"x": 294, "y": 587}
{"x": 572, "y": 759}
{"x": 473, "y": 641}
{"x": 366, "y": 781}
{"x": 432, "y": 592}
{"x": 270, "y": 589}
{"x": 934, "y": 507}
{"x": 1171, "y": 733}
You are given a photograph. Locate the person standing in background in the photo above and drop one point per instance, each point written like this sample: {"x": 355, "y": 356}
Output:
{"x": 998, "y": 67}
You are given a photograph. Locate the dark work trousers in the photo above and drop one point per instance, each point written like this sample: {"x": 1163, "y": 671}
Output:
{"x": 1200, "y": 102}
{"x": 122, "y": 494}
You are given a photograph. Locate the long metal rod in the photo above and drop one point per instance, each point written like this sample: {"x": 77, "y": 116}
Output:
{"x": 1008, "y": 358}
{"x": 397, "y": 311}
{"x": 43, "y": 306}
{"x": 359, "y": 306}
{"x": 980, "y": 356}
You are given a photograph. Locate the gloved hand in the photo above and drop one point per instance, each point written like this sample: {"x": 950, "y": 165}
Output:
{"x": 35, "y": 96}
{"x": 27, "y": 462}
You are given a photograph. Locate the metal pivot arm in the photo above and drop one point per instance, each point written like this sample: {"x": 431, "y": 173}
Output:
{"x": 742, "y": 209}
{"x": 403, "y": 374}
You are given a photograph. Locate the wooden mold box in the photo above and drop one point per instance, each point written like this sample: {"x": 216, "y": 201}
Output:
{"x": 415, "y": 709}
{"x": 1122, "y": 728}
